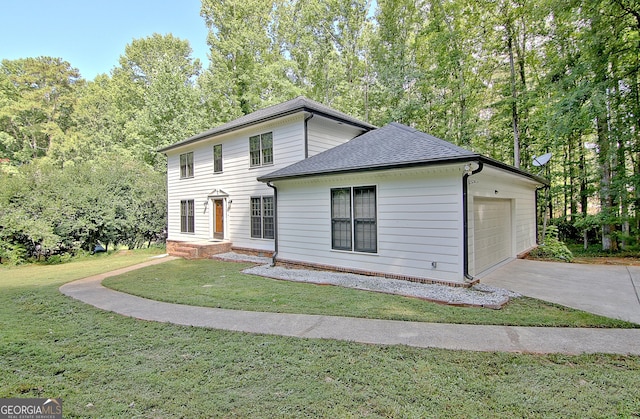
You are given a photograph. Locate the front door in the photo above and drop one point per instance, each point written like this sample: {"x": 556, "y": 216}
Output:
{"x": 218, "y": 231}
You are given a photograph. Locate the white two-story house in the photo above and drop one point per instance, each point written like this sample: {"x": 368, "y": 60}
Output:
{"x": 213, "y": 194}
{"x": 314, "y": 187}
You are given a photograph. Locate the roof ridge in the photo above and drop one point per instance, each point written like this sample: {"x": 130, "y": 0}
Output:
{"x": 402, "y": 126}
{"x": 431, "y": 137}
{"x": 297, "y": 104}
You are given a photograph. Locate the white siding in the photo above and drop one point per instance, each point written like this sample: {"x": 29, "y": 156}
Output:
{"x": 419, "y": 221}
{"x": 237, "y": 179}
{"x": 494, "y": 183}
{"x": 325, "y": 134}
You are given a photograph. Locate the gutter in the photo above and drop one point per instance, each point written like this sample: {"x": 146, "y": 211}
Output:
{"x": 418, "y": 163}
{"x": 465, "y": 221}
{"x": 275, "y": 223}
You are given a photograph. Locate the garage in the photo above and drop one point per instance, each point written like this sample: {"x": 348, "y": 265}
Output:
{"x": 492, "y": 232}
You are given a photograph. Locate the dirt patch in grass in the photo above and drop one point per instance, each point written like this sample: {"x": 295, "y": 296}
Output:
{"x": 596, "y": 260}
{"x": 627, "y": 261}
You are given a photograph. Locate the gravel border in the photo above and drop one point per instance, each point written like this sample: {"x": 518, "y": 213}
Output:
{"x": 479, "y": 295}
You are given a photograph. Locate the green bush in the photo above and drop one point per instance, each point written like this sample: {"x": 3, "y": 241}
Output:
{"x": 58, "y": 259}
{"x": 552, "y": 248}
{"x": 12, "y": 254}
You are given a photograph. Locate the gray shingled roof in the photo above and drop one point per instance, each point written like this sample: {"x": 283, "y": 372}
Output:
{"x": 289, "y": 107}
{"x": 392, "y": 146}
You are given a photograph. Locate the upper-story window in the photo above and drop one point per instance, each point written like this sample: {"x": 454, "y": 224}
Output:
{"x": 261, "y": 149}
{"x": 186, "y": 165}
{"x": 217, "y": 158}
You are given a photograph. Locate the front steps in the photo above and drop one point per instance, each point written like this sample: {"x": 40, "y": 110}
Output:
{"x": 197, "y": 250}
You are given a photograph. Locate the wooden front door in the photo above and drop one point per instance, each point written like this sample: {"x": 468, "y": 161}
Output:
{"x": 218, "y": 231}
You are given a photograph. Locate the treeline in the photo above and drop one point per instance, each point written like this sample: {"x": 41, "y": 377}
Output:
{"x": 506, "y": 78}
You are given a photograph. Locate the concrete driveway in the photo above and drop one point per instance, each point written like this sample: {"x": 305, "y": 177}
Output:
{"x": 608, "y": 290}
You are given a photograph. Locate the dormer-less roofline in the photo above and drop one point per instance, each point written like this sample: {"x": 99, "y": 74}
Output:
{"x": 393, "y": 146}
{"x": 291, "y": 107}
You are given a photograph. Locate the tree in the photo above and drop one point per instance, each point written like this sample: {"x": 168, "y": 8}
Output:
{"x": 156, "y": 97}
{"x": 47, "y": 209}
{"x": 394, "y": 94}
{"x": 248, "y": 67}
{"x": 327, "y": 41}
{"x": 37, "y": 98}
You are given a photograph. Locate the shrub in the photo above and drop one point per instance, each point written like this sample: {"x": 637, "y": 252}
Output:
{"x": 12, "y": 254}
{"x": 552, "y": 248}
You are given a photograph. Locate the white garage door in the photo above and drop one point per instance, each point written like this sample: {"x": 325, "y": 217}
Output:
{"x": 492, "y": 232}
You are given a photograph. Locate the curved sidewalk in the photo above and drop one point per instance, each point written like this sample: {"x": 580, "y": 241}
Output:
{"x": 386, "y": 332}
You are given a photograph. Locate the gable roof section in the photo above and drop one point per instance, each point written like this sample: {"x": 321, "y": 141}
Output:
{"x": 392, "y": 146}
{"x": 290, "y": 107}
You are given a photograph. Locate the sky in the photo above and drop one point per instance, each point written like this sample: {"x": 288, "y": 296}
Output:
{"x": 92, "y": 34}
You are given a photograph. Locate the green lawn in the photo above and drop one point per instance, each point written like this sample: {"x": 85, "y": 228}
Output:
{"x": 105, "y": 365}
{"x": 213, "y": 283}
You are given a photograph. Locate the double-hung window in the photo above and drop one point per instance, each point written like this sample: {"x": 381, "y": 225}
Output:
{"x": 262, "y": 217}
{"x": 354, "y": 222}
{"x": 186, "y": 165}
{"x": 217, "y": 158}
{"x": 261, "y": 149}
{"x": 187, "y": 216}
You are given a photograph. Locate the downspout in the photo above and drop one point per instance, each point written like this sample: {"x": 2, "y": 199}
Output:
{"x": 275, "y": 223}
{"x": 306, "y": 135}
{"x": 465, "y": 221}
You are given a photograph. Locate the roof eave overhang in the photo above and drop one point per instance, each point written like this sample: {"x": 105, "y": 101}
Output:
{"x": 305, "y": 108}
{"x": 435, "y": 162}
{"x": 512, "y": 169}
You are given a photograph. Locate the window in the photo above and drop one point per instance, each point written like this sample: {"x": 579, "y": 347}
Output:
{"x": 354, "y": 226}
{"x": 341, "y": 218}
{"x": 186, "y": 165}
{"x": 261, "y": 149}
{"x": 364, "y": 219}
{"x": 187, "y": 218}
{"x": 268, "y": 218}
{"x": 262, "y": 217}
{"x": 217, "y": 158}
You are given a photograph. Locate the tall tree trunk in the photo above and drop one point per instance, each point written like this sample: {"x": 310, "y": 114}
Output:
{"x": 606, "y": 197}
{"x": 573, "y": 204}
{"x": 584, "y": 178}
{"x": 565, "y": 186}
{"x": 514, "y": 98}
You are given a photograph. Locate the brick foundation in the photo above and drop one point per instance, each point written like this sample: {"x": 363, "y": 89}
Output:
{"x": 252, "y": 252}
{"x": 320, "y": 267}
{"x": 194, "y": 250}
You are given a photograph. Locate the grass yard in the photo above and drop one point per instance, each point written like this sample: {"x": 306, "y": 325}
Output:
{"x": 211, "y": 283}
{"x": 104, "y": 365}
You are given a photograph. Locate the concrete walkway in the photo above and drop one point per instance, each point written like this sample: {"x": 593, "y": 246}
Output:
{"x": 386, "y": 332}
{"x": 608, "y": 290}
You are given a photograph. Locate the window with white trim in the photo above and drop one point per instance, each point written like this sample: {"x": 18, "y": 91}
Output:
{"x": 217, "y": 158}
{"x": 261, "y": 149}
{"x": 187, "y": 216}
{"x": 354, "y": 224}
{"x": 262, "y": 217}
{"x": 186, "y": 165}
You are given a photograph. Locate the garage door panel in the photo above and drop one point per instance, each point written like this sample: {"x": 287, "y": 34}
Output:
{"x": 492, "y": 232}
